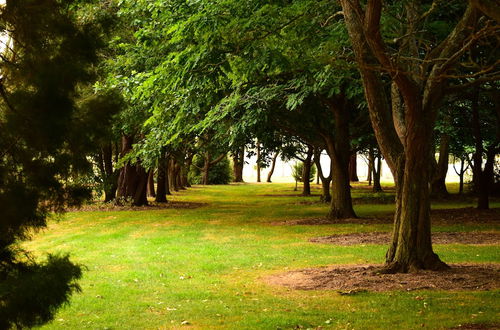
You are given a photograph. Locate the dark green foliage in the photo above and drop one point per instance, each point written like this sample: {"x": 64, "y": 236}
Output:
{"x": 44, "y": 141}
{"x": 219, "y": 173}
{"x": 31, "y": 293}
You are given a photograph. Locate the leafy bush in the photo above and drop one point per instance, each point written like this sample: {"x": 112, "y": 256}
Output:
{"x": 297, "y": 170}
{"x": 219, "y": 173}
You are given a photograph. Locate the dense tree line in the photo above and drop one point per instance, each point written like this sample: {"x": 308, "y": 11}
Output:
{"x": 144, "y": 98}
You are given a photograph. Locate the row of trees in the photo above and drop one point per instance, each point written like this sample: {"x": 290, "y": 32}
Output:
{"x": 127, "y": 93}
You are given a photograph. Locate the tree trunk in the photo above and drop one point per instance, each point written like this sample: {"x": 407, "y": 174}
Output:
{"x": 258, "y": 161}
{"x": 110, "y": 175}
{"x": 339, "y": 149}
{"x": 133, "y": 178}
{"x": 353, "y": 168}
{"x": 238, "y": 162}
{"x": 151, "y": 183}
{"x": 273, "y": 165}
{"x": 438, "y": 182}
{"x": 161, "y": 189}
{"x": 185, "y": 171}
{"x": 404, "y": 137}
{"x": 326, "y": 197}
{"x": 306, "y": 172}
{"x": 205, "y": 169}
{"x": 371, "y": 161}
{"x": 377, "y": 170}
{"x": 167, "y": 175}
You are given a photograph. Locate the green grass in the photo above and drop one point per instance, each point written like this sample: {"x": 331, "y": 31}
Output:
{"x": 157, "y": 268}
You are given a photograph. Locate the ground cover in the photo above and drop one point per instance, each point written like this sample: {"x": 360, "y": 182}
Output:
{"x": 208, "y": 266}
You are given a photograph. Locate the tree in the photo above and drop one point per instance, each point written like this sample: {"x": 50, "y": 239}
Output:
{"x": 404, "y": 127}
{"x": 44, "y": 143}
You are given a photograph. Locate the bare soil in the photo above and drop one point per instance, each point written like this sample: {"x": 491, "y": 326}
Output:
{"x": 352, "y": 279}
{"x": 151, "y": 206}
{"x": 466, "y": 215}
{"x": 476, "y": 238}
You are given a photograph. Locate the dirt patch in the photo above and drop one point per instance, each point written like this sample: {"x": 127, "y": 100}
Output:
{"x": 151, "y": 206}
{"x": 351, "y": 279}
{"x": 437, "y": 238}
{"x": 467, "y": 215}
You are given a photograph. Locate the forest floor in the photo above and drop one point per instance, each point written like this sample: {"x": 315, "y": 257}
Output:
{"x": 260, "y": 256}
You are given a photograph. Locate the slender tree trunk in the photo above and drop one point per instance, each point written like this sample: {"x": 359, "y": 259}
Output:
{"x": 161, "y": 189}
{"x": 238, "y": 163}
{"x": 151, "y": 183}
{"x": 326, "y": 197}
{"x": 377, "y": 170}
{"x": 273, "y": 165}
{"x": 353, "y": 168}
{"x": 167, "y": 175}
{"x": 205, "y": 169}
{"x": 110, "y": 174}
{"x": 258, "y": 161}
{"x": 185, "y": 171}
{"x": 371, "y": 161}
{"x": 438, "y": 182}
{"x": 306, "y": 172}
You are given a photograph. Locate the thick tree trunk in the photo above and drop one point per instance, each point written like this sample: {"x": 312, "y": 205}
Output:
{"x": 438, "y": 182}
{"x": 411, "y": 247}
{"x": 151, "y": 183}
{"x": 238, "y": 163}
{"x": 306, "y": 172}
{"x": 273, "y": 165}
{"x": 339, "y": 150}
{"x": 258, "y": 161}
{"x": 133, "y": 178}
{"x": 353, "y": 168}
{"x": 161, "y": 189}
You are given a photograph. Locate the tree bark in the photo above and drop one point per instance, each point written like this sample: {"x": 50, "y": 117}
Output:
{"x": 353, "y": 168}
{"x": 306, "y": 172}
{"x": 110, "y": 174}
{"x": 238, "y": 163}
{"x": 371, "y": 161}
{"x": 151, "y": 183}
{"x": 273, "y": 165}
{"x": 438, "y": 182}
{"x": 326, "y": 197}
{"x": 161, "y": 176}
{"x": 339, "y": 150}
{"x": 258, "y": 161}
{"x": 133, "y": 178}
{"x": 403, "y": 150}
{"x": 377, "y": 170}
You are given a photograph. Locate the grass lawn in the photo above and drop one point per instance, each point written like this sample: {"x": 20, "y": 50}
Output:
{"x": 158, "y": 268}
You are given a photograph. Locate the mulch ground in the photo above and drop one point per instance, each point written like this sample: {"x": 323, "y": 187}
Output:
{"x": 478, "y": 238}
{"x": 151, "y": 206}
{"x": 352, "y": 279}
{"x": 468, "y": 215}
